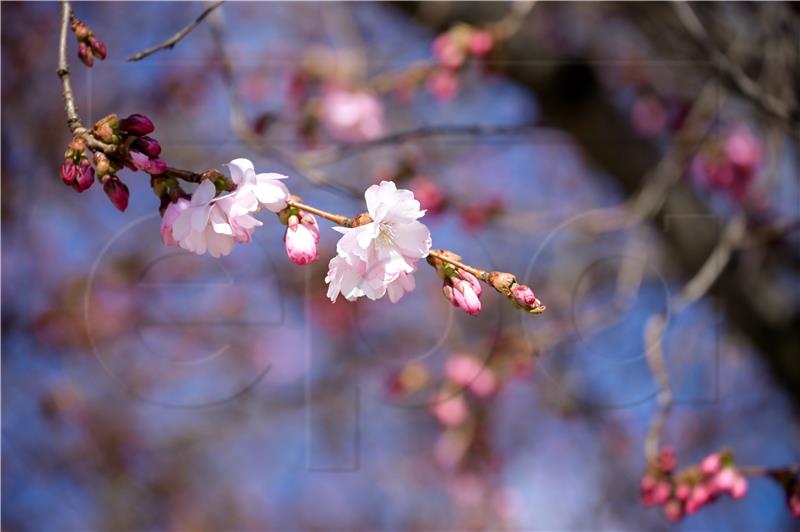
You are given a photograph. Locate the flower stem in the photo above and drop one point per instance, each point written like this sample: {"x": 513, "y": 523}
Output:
{"x": 338, "y": 219}
{"x": 480, "y": 274}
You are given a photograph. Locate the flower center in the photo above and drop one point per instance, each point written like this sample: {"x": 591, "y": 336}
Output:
{"x": 385, "y": 234}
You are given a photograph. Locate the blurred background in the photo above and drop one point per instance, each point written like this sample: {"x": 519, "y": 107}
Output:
{"x": 601, "y": 152}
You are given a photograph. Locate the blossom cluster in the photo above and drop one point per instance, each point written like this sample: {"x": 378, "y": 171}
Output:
{"x": 684, "y": 493}
{"x": 213, "y": 223}
{"x": 89, "y": 46}
{"x": 451, "y": 50}
{"x": 730, "y": 165}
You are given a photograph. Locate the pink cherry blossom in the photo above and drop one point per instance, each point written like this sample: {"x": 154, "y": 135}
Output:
{"x": 462, "y": 369}
{"x": 451, "y": 411}
{"x": 448, "y": 52}
{"x": 213, "y": 224}
{"x": 380, "y": 256}
{"x": 428, "y": 193}
{"x": 301, "y": 238}
{"x": 252, "y": 189}
{"x": 711, "y": 464}
{"x": 352, "y": 116}
{"x": 170, "y": 215}
{"x": 444, "y": 85}
{"x": 739, "y": 488}
{"x": 480, "y": 42}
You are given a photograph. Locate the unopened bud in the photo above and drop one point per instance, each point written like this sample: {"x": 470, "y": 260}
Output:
{"x": 98, "y": 47}
{"x": 68, "y": 171}
{"x": 147, "y": 145}
{"x": 84, "y": 177}
{"x": 101, "y": 164}
{"x": 85, "y": 54}
{"x": 117, "y": 192}
{"x": 137, "y": 124}
{"x": 502, "y": 282}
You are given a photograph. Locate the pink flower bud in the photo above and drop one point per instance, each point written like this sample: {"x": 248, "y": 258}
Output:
{"x": 68, "y": 171}
{"x": 444, "y": 85}
{"x": 462, "y": 369}
{"x": 682, "y": 492}
{"x": 147, "y": 145}
{"x": 448, "y": 52}
{"x": 743, "y": 149}
{"x": 85, "y": 54}
{"x": 451, "y": 411}
{"x": 485, "y": 384}
{"x": 137, "y": 124}
{"x": 711, "y": 464}
{"x": 85, "y": 176}
{"x": 666, "y": 459}
{"x": 98, "y": 47}
{"x": 524, "y": 297}
{"x": 673, "y": 511}
{"x": 302, "y": 236}
{"x": 480, "y": 42}
{"x": 170, "y": 215}
{"x": 648, "y": 483}
{"x": 463, "y": 290}
{"x": 725, "y": 479}
{"x": 661, "y": 492}
{"x": 739, "y": 488}
{"x": 794, "y": 504}
{"x": 699, "y": 495}
{"x": 117, "y": 192}
{"x": 428, "y": 193}
{"x": 140, "y": 161}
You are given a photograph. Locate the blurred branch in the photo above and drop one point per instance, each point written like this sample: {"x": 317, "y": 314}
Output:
{"x": 573, "y": 99}
{"x": 172, "y": 41}
{"x": 746, "y": 85}
{"x": 654, "y": 352}
{"x": 704, "y": 279}
{"x": 343, "y": 151}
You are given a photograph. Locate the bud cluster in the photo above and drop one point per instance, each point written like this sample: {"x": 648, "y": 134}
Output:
{"x": 730, "y": 165}
{"x": 89, "y": 46}
{"x": 76, "y": 170}
{"x": 451, "y": 50}
{"x": 132, "y": 148}
{"x": 684, "y": 493}
{"x": 460, "y": 287}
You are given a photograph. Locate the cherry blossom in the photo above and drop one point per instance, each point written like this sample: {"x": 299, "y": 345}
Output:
{"x": 380, "y": 256}
{"x": 170, "y": 215}
{"x": 352, "y": 116}
{"x": 252, "y": 189}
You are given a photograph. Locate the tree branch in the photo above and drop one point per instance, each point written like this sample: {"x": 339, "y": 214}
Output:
{"x": 172, "y": 41}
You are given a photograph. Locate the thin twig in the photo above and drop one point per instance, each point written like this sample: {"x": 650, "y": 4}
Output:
{"x": 71, "y": 110}
{"x": 704, "y": 279}
{"x": 172, "y": 41}
{"x": 654, "y": 351}
{"x": 735, "y": 74}
{"x": 343, "y": 151}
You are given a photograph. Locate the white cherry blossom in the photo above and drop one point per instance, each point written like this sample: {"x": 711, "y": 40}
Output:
{"x": 380, "y": 256}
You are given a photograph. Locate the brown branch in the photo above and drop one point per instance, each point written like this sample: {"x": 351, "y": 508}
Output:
{"x": 654, "y": 352}
{"x": 735, "y": 74}
{"x": 342, "y": 151}
{"x": 172, "y": 41}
